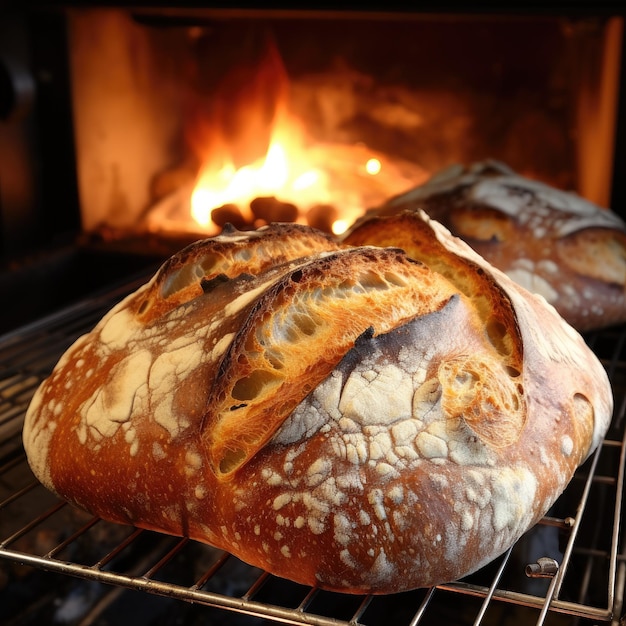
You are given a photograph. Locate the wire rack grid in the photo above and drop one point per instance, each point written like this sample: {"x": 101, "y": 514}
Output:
{"x": 569, "y": 569}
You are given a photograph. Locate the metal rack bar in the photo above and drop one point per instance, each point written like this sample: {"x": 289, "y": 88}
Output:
{"x": 32, "y": 524}
{"x": 555, "y": 586}
{"x": 256, "y": 586}
{"x": 358, "y": 614}
{"x": 105, "y": 560}
{"x": 210, "y": 572}
{"x": 492, "y": 588}
{"x": 207, "y": 598}
{"x": 417, "y": 618}
{"x": 166, "y": 558}
{"x": 72, "y": 538}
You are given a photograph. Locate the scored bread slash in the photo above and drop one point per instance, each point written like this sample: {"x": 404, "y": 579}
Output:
{"x": 191, "y": 271}
{"x": 369, "y": 415}
{"x": 296, "y": 333}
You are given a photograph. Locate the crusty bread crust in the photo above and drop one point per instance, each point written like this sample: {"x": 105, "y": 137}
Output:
{"x": 551, "y": 242}
{"x": 347, "y": 416}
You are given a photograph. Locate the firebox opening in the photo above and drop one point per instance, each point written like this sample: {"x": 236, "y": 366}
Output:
{"x": 184, "y": 125}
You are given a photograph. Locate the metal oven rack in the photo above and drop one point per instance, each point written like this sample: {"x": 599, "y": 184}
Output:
{"x": 59, "y": 565}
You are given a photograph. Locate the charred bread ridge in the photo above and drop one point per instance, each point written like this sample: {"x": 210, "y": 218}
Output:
{"x": 551, "y": 242}
{"x": 353, "y": 418}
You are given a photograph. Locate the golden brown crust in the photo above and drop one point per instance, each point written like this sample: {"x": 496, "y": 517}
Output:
{"x": 410, "y": 232}
{"x": 551, "y": 242}
{"x": 184, "y": 275}
{"x": 297, "y": 332}
{"x": 404, "y": 422}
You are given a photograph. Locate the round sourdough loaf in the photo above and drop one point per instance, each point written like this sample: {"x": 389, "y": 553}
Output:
{"x": 343, "y": 416}
{"x": 551, "y": 242}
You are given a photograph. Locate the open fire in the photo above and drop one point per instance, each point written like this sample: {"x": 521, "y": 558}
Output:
{"x": 297, "y": 178}
{"x": 182, "y": 128}
{"x": 325, "y": 186}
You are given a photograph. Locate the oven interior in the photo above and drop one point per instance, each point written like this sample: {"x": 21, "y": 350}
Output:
{"x": 106, "y": 119}
{"x": 110, "y": 116}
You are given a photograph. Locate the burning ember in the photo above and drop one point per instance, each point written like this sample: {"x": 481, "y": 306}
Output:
{"x": 298, "y": 184}
{"x": 260, "y": 164}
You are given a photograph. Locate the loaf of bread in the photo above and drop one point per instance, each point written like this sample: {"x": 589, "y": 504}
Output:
{"x": 344, "y": 416}
{"x": 551, "y": 242}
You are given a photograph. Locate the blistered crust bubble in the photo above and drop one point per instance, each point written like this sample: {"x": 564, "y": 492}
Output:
{"x": 485, "y": 396}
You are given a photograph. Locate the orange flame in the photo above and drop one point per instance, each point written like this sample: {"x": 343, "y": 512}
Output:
{"x": 285, "y": 172}
{"x": 251, "y": 147}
